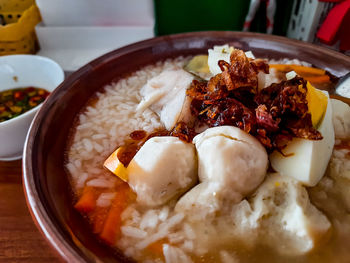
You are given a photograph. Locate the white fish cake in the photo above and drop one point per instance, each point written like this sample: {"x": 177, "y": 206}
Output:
{"x": 165, "y": 94}
{"x": 162, "y": 169}
{"x": 341, "y": 119}
{"x": 231, "y": 164}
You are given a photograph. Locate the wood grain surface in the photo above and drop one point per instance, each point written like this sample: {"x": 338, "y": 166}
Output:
{"x": 20, "y": 240}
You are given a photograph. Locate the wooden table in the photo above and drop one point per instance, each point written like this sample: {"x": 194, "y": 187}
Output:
{"x": 20, "y": 240}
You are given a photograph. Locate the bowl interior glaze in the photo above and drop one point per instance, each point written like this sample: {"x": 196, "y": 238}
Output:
{"x": 46, "y": 183}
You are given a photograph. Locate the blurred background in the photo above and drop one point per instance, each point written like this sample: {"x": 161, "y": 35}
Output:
{"x": 73, "y": 32}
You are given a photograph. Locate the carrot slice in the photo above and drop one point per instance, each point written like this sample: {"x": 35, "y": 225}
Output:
{"x": 308, "y": 70}
{"x": 98, "y": 219}
{"x": 280, "y": 67}
{"x": 111, "y": 229}
{"x": 317, "y": 79}
{"x": 301, "y": 70}
{"x": 87, "y": 201}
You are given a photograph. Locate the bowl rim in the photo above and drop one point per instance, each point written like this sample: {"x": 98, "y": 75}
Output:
{"x": 59, "y": 72}
{"x": 34, "y": 203}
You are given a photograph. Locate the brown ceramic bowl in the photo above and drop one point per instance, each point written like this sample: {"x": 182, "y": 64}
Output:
{"x": 46, "y": 185}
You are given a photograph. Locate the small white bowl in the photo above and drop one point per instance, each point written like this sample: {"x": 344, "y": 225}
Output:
{"x": 17, "y": 71}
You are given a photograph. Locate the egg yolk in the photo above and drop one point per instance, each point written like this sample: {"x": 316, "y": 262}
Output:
{"x": 317, "y": 104}
{"x": 115, "y": 166}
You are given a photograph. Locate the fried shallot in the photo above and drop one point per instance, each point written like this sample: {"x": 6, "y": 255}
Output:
{"x": 273, "y": 115}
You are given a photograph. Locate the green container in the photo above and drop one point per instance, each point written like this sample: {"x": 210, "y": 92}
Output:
{"x": 177, "y": 16}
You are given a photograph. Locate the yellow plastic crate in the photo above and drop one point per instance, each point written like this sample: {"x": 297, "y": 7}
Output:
{"x": 17, "y": 36}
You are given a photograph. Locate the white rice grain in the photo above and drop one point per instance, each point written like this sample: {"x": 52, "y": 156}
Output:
{"x": 172, "y": 221}
{"x": 149, "y": 220}
{"x": 103, "y": 183}
{"x": 163, "y": 215}
{"x": 135, "y": 217}
{"x": 98, "y": 147}
{"x": 77, "y": 164}
{"x": 176, "y": 237}
{"x": 82, "y": 118}
{"x": 133, "y": 232}
{"x": 84, "y": 126}
{"x": 127, "y": 213}
{"x": 95, "y": 170}
{"x": 88, "y": 145}
{"x": 72, "y": 169}
{"x": 98, "y": 136}
{"x": 105, "y": 199}
{"x": 82, "y": 179}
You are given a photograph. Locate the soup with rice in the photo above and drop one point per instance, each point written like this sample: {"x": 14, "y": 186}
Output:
{"x": 216, "y": 159}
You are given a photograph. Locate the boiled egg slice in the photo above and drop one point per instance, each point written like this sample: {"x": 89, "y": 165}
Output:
{"x": 216, "y": 54}
{"x": 222, "y": 53}
{"x": 115, "y": 166}
{"x": 307, "y": 160}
